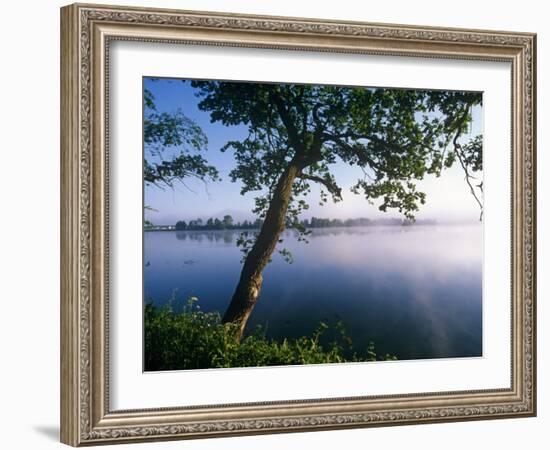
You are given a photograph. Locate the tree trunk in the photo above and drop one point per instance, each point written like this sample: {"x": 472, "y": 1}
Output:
{"x": 247, "y": 291}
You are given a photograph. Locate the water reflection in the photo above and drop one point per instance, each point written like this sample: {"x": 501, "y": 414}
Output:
{"x": 415, "y": 291}
{"x": 225, "y": 236}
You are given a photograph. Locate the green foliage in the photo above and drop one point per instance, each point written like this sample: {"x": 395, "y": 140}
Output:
{"x": 394, "y": 136}
{"x": 173, "y": 146}
{"x": 473, "y": 155}
{"x": 193, "y": 339}
{"x": 245, "y": 241}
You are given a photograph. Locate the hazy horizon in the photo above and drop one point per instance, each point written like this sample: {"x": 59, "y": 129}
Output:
{"x": 241, "y": 216}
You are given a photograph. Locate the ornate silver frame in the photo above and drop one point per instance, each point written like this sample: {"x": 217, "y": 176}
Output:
{"x": 86, "y": 32}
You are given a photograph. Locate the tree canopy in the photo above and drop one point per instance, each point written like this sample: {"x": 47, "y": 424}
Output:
{"x": 395, "y": 136}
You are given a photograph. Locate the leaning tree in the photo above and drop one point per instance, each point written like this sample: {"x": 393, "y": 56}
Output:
{"x": 297, "y": 132}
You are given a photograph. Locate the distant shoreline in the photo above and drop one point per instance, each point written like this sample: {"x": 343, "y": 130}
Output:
{"x": 377, "y": 224}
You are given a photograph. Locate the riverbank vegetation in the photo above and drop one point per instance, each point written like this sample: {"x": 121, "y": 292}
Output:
{"x": 227, "y": 223}
{"x": 179, "y": 337}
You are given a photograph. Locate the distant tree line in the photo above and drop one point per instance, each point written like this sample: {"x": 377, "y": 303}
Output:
{"x": 318, "y": 222}
{"x": 227, "y": 223}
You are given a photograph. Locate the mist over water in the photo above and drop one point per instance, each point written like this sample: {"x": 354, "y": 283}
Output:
{"x": 415, "y": 291}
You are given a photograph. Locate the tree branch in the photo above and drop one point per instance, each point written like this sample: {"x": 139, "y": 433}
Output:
{"x": 458, "y": 152}
{"x": 287, "y": 120}
{"x": 332, "y": 187}
{"x": 362, "y": 156}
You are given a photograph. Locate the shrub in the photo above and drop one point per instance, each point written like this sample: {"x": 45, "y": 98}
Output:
{"x": 193, "y": 339}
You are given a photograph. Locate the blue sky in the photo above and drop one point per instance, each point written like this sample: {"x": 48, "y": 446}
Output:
{"x": 448, "y": 197}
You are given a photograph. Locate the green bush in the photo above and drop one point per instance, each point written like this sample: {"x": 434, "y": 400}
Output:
{"x": 192, "y": 339}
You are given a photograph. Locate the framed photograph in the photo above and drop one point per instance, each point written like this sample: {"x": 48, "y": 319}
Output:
{"x": 280, "y": 224}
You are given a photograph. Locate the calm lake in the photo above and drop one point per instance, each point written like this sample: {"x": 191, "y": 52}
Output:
{"x": 415, "y": 291}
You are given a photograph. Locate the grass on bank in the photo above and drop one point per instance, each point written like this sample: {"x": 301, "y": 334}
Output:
{"x": 193, "y": 339}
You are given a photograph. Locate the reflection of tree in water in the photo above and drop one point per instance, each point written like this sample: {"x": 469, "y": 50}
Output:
{"x": 225, "y": 236}
{"x": 360, "y": 231}
{"x": 228, "y": 237}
